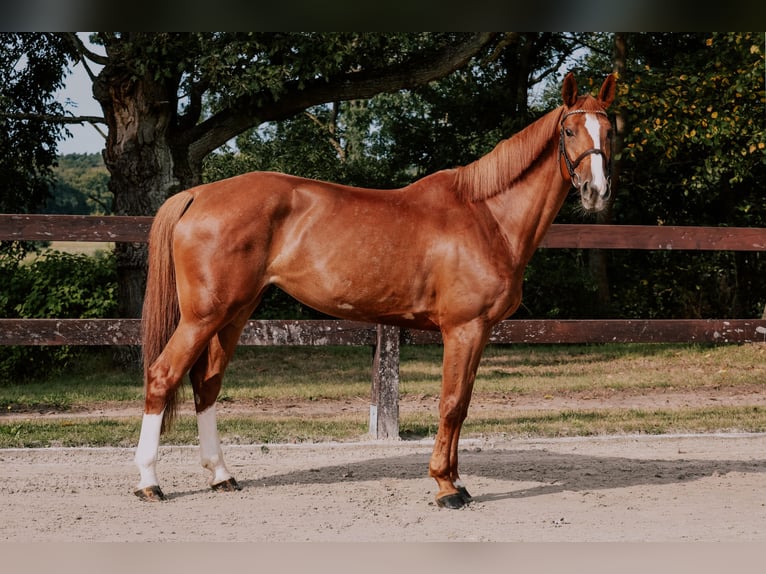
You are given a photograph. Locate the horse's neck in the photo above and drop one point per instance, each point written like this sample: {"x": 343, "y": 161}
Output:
{"x": 527, "y": 209}
{"x": 520, "y": 182}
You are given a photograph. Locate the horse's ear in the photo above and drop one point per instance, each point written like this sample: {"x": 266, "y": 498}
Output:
{"x": 569, "y": 90}
{"x": 607, "y": 91}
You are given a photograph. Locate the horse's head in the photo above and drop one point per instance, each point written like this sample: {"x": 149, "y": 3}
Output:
{"x": 586, "y": 142}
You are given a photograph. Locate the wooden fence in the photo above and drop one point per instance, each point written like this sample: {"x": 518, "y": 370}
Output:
{"x": 386, "y": 340}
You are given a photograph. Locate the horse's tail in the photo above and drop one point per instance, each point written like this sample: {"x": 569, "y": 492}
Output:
{"x": 161, "y": 311}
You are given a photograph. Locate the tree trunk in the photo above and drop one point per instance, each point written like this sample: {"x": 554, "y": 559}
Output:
{"x": 138, "y": 113}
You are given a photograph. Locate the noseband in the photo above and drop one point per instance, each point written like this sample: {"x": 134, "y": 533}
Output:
{"x": 572, "y": 165}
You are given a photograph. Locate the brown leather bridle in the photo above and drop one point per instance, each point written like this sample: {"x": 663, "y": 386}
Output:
{"x": 572, "y": 165}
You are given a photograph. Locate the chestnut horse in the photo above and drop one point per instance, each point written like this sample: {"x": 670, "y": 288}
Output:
{"x": 446, "y": 252}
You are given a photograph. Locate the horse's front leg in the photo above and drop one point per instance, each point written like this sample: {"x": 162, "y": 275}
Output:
{"x": 463, "y": 346}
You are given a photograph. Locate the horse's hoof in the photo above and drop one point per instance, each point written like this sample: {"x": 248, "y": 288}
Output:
{"x": 463, "y": 492}
{"x": 451, "y": 501}
{"x": 150, "y": 494}
{"x": 229, "y": 485}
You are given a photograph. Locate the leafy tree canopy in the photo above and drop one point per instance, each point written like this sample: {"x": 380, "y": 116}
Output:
{"x": 393, "y": 138}
{"x": 695, "y": 143}
{"x": 32, "y": 69}
{"x": 221, "y": 84}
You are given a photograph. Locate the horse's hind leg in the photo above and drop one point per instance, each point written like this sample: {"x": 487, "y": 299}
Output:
{"x": 206, "y": 377}
{"x": 163, "y": 380}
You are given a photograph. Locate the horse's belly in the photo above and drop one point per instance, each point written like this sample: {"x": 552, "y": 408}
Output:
{"x": 362, "y": 300}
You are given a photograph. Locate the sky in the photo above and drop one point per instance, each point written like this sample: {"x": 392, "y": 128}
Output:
{"x": 78, "y": 89}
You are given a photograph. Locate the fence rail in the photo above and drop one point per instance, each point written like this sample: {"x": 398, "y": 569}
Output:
{"x": 100, "y": 332}
{"x": 126, "y": 228}
{"x": 384, "y": 410}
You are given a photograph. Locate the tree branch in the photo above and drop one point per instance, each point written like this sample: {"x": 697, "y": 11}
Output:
{"x": 191, "y": 115}
{"x": 85, "y": 54}
{"x": 246, "y": 113}
{"x": 330, "y": 133}
{"x": 506, "y": 40}
{"x": 93, "y": 120}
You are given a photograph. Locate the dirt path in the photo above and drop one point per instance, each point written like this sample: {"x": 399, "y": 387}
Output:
{"x": 632, "y": 488}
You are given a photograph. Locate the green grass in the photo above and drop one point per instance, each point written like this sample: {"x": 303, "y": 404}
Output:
{"x": 629, "y": 421}
{"x": 307, "y": 373}
{"x": 258, "y": 430}
{"x": 302, "y": 375}
{"x": 36, "y": 433}
{"x": 48, "y": 433}
{"x": 92, "y": 380}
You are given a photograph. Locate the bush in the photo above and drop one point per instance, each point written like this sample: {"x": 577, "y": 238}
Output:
{"x": 52, "y": 284}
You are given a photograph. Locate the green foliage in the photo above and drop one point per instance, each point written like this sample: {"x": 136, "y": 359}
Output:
{"x": 260, "y": 66}
{"x": 559, "y": 285}
{"x": 53, "y": 284}
{"x": 694, "y": 113}
{"x": 32, "y": 68}
{"x": 394, "y": 138}
{"x": 81, "y": 186}
{"x": 695, "y": 154}
{"x": 236, "y": 70}
{"x": 67, "y": 285}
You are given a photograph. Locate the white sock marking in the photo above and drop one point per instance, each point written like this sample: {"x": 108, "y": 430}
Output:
{"x": 211, "y": 454}
{"x": 148, "y": 449}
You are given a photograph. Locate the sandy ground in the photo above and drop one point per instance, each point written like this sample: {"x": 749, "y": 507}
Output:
{"x": 630, "y": 488}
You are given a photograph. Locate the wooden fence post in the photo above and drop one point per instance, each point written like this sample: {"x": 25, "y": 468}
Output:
{"x": 384, "y": 403}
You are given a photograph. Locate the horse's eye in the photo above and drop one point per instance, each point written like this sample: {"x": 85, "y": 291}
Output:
{"x": 568, "y": 132}
{"x": 609, "y": 134}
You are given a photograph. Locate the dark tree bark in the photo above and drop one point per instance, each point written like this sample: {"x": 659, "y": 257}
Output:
{"x": 139, "y": 158}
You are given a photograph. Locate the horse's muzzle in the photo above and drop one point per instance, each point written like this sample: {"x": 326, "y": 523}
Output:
{"x": 594, "y": 197}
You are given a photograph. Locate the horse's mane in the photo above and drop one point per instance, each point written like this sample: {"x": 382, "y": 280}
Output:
{"x": 499, "y": 169}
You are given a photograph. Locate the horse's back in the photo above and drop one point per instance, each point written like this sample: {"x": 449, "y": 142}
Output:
{"x": 288, "y": 205}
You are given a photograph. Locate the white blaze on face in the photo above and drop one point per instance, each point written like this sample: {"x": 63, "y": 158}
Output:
{"x": 597, "y": 167}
